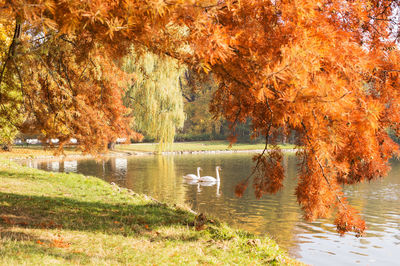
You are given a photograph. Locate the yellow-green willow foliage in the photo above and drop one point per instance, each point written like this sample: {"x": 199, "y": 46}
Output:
{"x": 155, "y": 96}
{"x": 11, "y": 112}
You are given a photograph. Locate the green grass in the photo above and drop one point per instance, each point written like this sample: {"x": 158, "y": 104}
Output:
{"x": 59, "y": 218}
{"x": 196, "y": 146}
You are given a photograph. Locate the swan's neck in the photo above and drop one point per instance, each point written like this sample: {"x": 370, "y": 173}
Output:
{"x": 198, "y": 172}
{"x": 216, "y": 169}
{"x": 218, "y": 189}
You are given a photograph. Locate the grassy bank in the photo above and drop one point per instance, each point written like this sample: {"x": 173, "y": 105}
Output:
{"x": 34, "y": 151}
{"x": 196, "y": 146}
{"x": 51, "y": 218}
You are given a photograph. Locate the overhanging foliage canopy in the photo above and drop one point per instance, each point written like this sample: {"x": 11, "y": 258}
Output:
{"x": 325, "y": 69}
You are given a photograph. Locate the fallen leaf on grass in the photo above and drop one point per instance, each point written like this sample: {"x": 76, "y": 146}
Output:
{"x": 49, "y": 225}
{"x": 7, "y": 220}
{"x": 59, "y": 243}
{"x": 200, "y": 222}
{"x": 200, "y": 227}
{"x": 22, "y": 223}
{"x": 254, "y": 242}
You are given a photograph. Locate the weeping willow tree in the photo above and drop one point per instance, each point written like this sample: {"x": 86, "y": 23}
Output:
{"x": 154, "y": 96}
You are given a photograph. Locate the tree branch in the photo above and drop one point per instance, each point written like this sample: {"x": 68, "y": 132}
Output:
{"x": 11, "y": 49}
{"x": 322, "y": 168}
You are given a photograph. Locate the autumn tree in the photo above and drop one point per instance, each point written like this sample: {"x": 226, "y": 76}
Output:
{"x": 327, "y": 70}
{"x": 68, "y": 89}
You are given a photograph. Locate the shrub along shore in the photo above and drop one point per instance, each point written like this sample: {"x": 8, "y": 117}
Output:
{"x": 50, "y": 218}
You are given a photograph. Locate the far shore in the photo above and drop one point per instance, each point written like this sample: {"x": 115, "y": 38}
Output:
{"x": 142, "y": 149}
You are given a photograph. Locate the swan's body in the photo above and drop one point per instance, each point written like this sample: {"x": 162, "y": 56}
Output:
{"x": 192, "y": 176}
{"x": 210, "y": 178}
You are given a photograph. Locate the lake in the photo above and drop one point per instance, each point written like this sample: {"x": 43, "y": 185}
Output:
{"x": 278, "y": 216}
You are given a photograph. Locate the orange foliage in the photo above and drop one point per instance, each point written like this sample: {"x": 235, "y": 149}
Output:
{"x": 240, "y": 188}
{"x": 347, "y": 219}
{"x": 328, "y": 70}
{"x": 60, "y": 243}
{"x": 269, "y": 173}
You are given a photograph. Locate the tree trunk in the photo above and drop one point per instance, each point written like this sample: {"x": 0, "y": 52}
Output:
{"x": 6, "y": 147}
{"x": 111, "y": 145}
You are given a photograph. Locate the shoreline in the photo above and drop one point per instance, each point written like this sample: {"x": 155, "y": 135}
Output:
{"x": 122, "y": 153}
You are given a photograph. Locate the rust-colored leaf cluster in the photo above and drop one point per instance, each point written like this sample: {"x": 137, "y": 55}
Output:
{"x": 347, "y": 220}
{"x": 269, "y": 173}
{"x": 240, "y": 188}
{"x": 59, "y": 242}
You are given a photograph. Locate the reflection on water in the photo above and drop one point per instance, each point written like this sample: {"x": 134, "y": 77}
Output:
{"x": 70, "y": 166}
{"x": 276, "y": 215}
{"x": 55, "y": 166}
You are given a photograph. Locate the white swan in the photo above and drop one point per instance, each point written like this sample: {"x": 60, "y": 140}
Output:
{"x": 210, "y": 178}
{"x": 192, "y": 176}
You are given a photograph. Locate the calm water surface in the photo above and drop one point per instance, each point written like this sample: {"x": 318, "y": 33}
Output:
{"x": 278, "y": 215}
